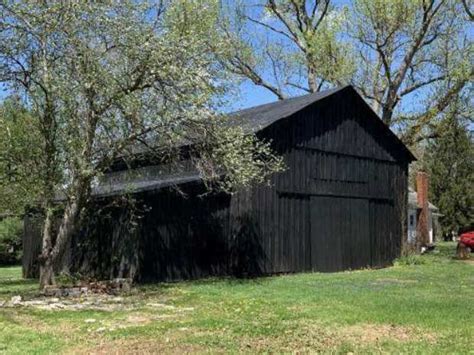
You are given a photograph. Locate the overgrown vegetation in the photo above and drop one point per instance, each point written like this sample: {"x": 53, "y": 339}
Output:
{"x": 422, "y": 308}
{"x": 11, "y": 229}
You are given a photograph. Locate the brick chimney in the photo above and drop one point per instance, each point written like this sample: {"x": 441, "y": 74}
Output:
{"x": 422, "y": 232}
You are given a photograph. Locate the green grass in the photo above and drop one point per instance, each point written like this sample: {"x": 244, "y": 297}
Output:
{"x": 421, "y": 306}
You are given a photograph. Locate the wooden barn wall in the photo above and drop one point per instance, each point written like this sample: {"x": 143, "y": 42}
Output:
{"x": 165, "y": 235}
{"x": 341, "y": 202}
{"x": 339, "y": 205}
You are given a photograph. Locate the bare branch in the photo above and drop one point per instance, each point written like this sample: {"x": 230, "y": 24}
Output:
{"x": 419, "y": 85}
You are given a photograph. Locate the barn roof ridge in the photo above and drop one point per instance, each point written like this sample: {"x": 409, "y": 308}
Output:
{"x": 252, "y": 120}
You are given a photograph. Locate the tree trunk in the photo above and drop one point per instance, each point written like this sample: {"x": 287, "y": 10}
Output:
{"x": 387, "y": 109}
{"x": 313, "y": 86}
{"x": 51, "y": 253}
{"x": 46, "y": 273}
{"x": 46, "y": 265}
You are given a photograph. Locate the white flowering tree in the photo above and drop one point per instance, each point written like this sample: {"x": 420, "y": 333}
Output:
{"x": 100, "y": 77}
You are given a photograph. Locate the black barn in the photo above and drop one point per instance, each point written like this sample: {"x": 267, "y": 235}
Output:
{"x": 341, "y": 204}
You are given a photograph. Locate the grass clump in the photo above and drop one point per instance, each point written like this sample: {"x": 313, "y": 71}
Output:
{"x": 411, "y": 259}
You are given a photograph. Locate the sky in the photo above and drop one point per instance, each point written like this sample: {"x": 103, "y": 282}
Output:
{"x": 250, "y": 95}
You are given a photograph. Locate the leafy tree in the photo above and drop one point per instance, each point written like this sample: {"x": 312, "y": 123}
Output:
{"x": 102, "y": 77}
{"x": 10, "y": 240}
{"x": 450, "y": 163}
{"x": 404, "y": 48}
{"x": 20, "y": 178}
{"x": 391, "y": 50}
{"x": 286, "y": 46}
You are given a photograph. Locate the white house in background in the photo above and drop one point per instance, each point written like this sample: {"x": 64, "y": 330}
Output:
{"x": 414, "y": 210}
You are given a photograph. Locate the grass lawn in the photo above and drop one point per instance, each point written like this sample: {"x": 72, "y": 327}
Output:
{"x": 423, "y": 308}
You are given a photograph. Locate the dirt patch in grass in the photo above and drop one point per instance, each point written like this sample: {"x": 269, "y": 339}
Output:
{"x": 305, "y": 339}
{"x": 374, "y": 333}
{"x": 165, "y": 344}
{"x": 40, "y": 326}
{"x": 319, "y": 338}
{"x": 140, "y": 347}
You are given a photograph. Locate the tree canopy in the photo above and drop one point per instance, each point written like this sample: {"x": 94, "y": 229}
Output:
{"x": 20, "y": 157}
{"x": 101, "y": 77}
{"x": 450, "y": 163}
{"x": 409, "y": 58}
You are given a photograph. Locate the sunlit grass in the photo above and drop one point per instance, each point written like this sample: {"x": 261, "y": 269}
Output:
{"x": 424, "y": 308}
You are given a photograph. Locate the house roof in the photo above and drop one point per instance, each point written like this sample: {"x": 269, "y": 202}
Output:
{"x": 109, "y": 188}
{"x": 252, "y": 120}
{"x": 255, "y": 119}
{"x": 413, "y": 201}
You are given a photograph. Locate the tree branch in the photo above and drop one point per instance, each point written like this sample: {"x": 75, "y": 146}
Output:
{"x": 420, "y": 85}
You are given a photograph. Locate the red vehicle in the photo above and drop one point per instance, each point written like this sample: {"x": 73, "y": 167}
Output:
{"x": 467, "y": 238}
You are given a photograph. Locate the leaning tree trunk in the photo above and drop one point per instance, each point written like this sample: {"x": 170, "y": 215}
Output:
{"x": 51, "y": 253}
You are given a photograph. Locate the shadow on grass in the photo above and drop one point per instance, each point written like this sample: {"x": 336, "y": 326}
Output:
{"x": 210, "y": 281}
{"x": 15, "y": 287}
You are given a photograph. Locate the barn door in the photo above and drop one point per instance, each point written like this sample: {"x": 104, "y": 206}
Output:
{"x": 340, "y": 233}
{"x": 385, "y": 243}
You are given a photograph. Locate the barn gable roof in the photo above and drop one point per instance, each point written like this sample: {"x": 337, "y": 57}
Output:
{"x": 252, "y": 120}
{"x": 257, "y": 118}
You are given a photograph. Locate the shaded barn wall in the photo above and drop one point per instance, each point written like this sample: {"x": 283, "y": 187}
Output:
{"x": 340, "y": 205}
{"x": 165, "y": 236}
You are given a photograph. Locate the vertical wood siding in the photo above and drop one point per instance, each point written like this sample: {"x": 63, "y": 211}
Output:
{"x": 339, "y": 205}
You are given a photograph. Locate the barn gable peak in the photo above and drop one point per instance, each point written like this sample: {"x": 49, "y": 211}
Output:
{"x": 258, "y": 118}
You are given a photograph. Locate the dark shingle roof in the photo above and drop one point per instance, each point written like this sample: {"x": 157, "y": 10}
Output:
{"x": 251, "y": 120}
{"x": 257, "y": 118}
{"x": 108, "y": 189}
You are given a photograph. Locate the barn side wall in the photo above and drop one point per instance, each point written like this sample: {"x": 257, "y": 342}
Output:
{"x": 340, "y": 205}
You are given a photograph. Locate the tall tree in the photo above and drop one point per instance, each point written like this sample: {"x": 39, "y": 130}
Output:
{"x": 19, "y": 157}
{"x": 450, "y": 163}
{"x": 393, "y": 51}
{"x": 287, "y": 46}
{"x": 410, "y": 47}
{"x": 101, "y": 77}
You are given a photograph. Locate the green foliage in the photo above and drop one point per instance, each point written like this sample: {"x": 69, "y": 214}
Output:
{"x": 449, "y": 160}
{"x": 11, "y": 230}
{"x": 113, "y": 75}
{"x": 20, "y": 160}
{"x": 102, "y": 79}
{"x": 243, "y": 158}
{"x": 287, "y": 47}
{"x": 411, "y": 259}
{"x": 408, "y": 47}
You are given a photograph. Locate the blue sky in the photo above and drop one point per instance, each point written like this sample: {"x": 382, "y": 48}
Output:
{"x": 251, "y": 95}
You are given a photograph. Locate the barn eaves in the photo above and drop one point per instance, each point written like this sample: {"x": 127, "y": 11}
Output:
{"x": 252, "y": 120}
